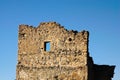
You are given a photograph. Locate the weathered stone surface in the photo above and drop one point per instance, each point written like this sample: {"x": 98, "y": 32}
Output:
{"x": 68, "y": 58}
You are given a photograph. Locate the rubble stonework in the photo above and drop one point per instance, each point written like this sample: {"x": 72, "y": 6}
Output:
{"x": 67, "y": 59}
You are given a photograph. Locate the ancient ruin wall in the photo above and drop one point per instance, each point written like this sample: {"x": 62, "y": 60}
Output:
{"x": 66, "y": 60}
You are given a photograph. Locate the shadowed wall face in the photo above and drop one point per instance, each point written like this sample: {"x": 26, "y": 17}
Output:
{"x": 103, "y": 72}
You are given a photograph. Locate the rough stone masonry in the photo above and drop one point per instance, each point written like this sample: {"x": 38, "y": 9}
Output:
{"x": 50, "y": 52}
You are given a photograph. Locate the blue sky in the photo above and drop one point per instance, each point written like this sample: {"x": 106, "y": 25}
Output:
{"x": 100, "y": 17}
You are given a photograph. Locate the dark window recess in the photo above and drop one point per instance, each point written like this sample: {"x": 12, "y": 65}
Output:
{"x": 70, "y": 39}
{"x": 47, "y": 46}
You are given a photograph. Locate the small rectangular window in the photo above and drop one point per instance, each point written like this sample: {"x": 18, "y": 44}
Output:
{"x": 47, "y": 46}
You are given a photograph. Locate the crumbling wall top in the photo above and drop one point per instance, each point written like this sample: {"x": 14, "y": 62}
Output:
{"x": 47, "y": 24}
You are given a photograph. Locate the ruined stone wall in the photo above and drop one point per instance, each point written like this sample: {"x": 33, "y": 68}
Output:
{"x": 66, "y": 60}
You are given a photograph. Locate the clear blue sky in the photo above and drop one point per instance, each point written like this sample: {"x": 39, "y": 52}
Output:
{"x": 100, "y": 17}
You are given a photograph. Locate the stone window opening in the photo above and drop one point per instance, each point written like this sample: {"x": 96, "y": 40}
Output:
{"x": 70, "y": 39}
{"x": 47, "y": 46}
